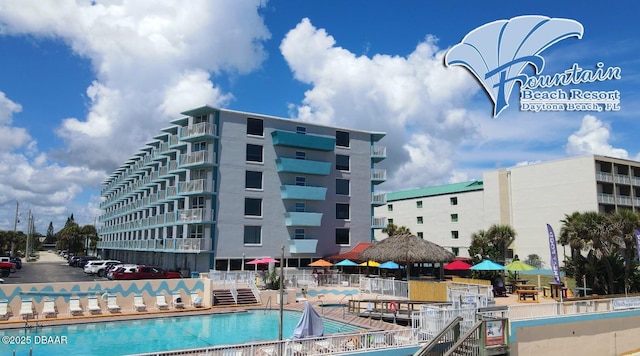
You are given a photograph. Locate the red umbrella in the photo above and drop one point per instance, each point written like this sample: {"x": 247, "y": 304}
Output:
{"x": 268, "y": 260}
{"x": 254, "y": 262}
{"x": 457, "y": 265}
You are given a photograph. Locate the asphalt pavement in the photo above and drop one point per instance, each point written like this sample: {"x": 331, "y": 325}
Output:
{"x": 49, "y": 268}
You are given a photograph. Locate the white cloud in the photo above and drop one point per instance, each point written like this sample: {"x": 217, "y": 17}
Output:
{"x": 593, "y": 138}
{"x": 415, "y": 99}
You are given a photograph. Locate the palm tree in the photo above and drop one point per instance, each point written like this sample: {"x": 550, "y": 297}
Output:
{"x": 501, "y": 236}
{"x": 392, "y": 230}
{"x": 628, "y": 221}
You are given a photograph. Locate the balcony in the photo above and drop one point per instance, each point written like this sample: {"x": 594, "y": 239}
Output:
{"x": 378, "y": 176}
{"x": 195, "y": 187}
{"x": 604, "y": 177}
{"x": 195, "y": 215}
{"x": 622, "y": 179}
{"x": 378, "y": 223}
{"x": 303, "y": 246}
{"x": 378, "y": 199}
{"x": 296, "y": 140}
{"x": 606, "y": 198}
{"x": 623, "y": 200}
{"x": 302, "y": 192}
{"x": 197, "y": 159}
{"x": 198, "y": 132}
{"x": 378, "y": 153}
{"x": 302, "y": 166}
{"x": 302, "y": 219}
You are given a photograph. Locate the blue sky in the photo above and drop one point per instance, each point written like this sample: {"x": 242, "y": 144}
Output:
{"x": 83, "y": 85}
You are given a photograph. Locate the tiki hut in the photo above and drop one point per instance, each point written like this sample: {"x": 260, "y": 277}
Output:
{"x": 407, "y": 249}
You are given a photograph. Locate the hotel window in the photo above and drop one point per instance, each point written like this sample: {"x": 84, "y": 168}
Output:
{"x": 419, "y": 204}
{"x": 196, "y": 202}
{"x": 201, "y": 118}
{"x": 342, "y": 186}
{"x": 254, "y": 153}
{"x": 455, "y": 251}
{"x": 419, "y": 220}
{"x": 300, "y": 207}
{"x": 389, "y": 207}
{"x": 198, "y": 174}
{"x": 255, "y": 127}
{"x": 342, "y": 211}
{"x": 253, "y": 235}
{"x": 252, "y": 207}
{"x": 199, "y": 146}
{"x": 342, "y": 139}
{"x": 342, "y": 236}
{"x": 421, "y": 235}
{"x": 454, "y": 217}
{"x": 301, "y": 181}
{"x": 298, "y": 234}
{"x": 454, "y": 235}
{"x": 453, "y": 200}
{"x": 301, "y": 130}
{"x": 195, "y": 231}
{"x": 301, "y": 155}
{"x": 342, "y": 162}
{"x": 253, "y": 180}
{"x": 389, "y": 221}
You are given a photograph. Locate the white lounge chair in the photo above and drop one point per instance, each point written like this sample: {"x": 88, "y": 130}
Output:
{"x": 4, "y": 309}
{"x": 74, "y": 306}
{"x": 161, "y": 302}
{"x": 49, "y": 308}
{"x": 196, "y": 300}
{"x": 112, "y": 304}
{"x": 138, "y": 303}
{"x": 26, "y": 309}
{"x": 177, "y": 301}
{"x": 93, "y": 306}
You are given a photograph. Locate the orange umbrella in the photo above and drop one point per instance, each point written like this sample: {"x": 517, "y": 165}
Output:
{"x": 320, "y": 263}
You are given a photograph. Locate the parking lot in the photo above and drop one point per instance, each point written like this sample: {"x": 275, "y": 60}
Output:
{"x": 50, "y": 268}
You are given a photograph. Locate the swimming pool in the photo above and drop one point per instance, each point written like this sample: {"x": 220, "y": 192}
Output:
{"x": 160, "y": 334}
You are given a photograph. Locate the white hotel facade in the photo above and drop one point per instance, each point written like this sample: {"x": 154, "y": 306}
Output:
{"x": 219, "y": 188}
{"x": 524, "y": 197}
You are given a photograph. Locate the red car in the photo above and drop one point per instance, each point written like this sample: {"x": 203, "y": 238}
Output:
{"x": 143, "y": 272}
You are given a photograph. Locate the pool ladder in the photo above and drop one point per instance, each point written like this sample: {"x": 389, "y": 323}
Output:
{"x": 268, "y": 305}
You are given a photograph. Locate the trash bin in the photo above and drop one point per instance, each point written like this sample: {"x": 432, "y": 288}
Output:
{"x": 195, "y": 274}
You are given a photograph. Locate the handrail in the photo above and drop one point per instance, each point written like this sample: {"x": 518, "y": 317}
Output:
{"x": 454, "y": 325}
{"x": 267, "y": 306}
{"x": 471, "y": 332}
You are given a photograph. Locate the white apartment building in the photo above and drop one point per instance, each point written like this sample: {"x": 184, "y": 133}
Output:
{"x": 219, "y": 188}
{"x": 525, "y": 197}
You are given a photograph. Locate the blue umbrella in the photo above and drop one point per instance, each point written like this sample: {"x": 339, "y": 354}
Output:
{"x": 389, "y": 265}
{"x": 487, "y": 265}
{"x": 346, "y": 263}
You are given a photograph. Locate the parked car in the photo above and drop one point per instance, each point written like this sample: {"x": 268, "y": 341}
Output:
{"x": 6, "y": 267}
{"x": 123, "y": 272}
{"x": 146, "y": 272}
{"x": 81, "y": 261}
{"x": 99, "y": 267}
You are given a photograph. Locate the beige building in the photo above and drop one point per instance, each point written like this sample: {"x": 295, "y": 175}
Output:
{"x": 525, "y": 197}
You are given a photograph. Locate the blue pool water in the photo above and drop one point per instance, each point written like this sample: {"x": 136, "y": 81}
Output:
{"x": 160, "y": 334}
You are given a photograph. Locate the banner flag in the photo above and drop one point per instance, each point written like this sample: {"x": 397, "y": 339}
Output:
{"x": 637, "y": 233}
{"x": 553, "y": 247}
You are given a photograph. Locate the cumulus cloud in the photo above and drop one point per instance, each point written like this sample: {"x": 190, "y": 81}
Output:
{"x": 415, "y": 99}
{"x": 151, "y": 60}
{"x": 593, "y": 138}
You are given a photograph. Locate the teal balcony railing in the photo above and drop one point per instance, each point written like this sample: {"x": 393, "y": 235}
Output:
{"x": 306, "y": 141}
{"x": 302, "y": 192}
{"x": 303, "y": 166}
{"x": 302, "y": 219}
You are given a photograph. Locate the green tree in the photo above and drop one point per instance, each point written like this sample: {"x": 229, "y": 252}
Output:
{"x": 501, "y": 237}
{"x": 534, "y": 260}
{"x": 91, "y": 235}
{"x": 51, "y": 236}
{"x": 392, "y": 229}
{"x": 70, "y": 238}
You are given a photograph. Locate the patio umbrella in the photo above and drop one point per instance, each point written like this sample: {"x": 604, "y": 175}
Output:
{"x": 389, "y": 265}
{"x": 369, "y": 263}
{"x": 310, "y": 324}
{"x": 320, "y": 263}
{"x": 457, "y": 265}
{"x": 346, "y": 262}
{"x": 517, "y": 266}
{"x": 267, "y": 260}
{"x": 254, "y": 262}
{"x": 407, "y": 249}
{"x": 487, "y": 265}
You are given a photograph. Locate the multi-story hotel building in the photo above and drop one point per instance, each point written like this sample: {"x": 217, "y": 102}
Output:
{"x": 525, "y": 197}
{"x": 218, "y": 188}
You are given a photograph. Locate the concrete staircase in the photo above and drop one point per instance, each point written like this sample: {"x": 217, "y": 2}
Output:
{"x": 223, "y": 297}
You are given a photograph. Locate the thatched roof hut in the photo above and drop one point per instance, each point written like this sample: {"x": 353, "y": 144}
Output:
{"x": 406, "y": 249}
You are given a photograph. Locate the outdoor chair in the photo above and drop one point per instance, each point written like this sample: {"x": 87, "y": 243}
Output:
{"x": 138, "y": 303}
{"x": 26, "y": 309}
{"x": 161, "y": 302}
{"x": 93, "y": 306}
{"x": 196, "y": 300}
{"x": 4, "y": 309}
{"x": 177, "y": 301}
{"x": 74, "y": 306}
{"x": 49, "y": 308}
{"x": 112, "y": 304}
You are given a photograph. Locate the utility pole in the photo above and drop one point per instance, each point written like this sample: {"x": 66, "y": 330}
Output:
{"x": 15, "y": 231}
{"x": 28, "y": 235}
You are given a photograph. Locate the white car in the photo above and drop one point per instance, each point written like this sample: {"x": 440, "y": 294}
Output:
{"x": 99, "y": 267}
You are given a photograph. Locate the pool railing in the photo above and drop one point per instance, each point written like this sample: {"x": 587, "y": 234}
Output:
{"x": 359, "y": 342}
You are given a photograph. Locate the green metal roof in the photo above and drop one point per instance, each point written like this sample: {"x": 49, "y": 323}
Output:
{"x": 437, "y": 190}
